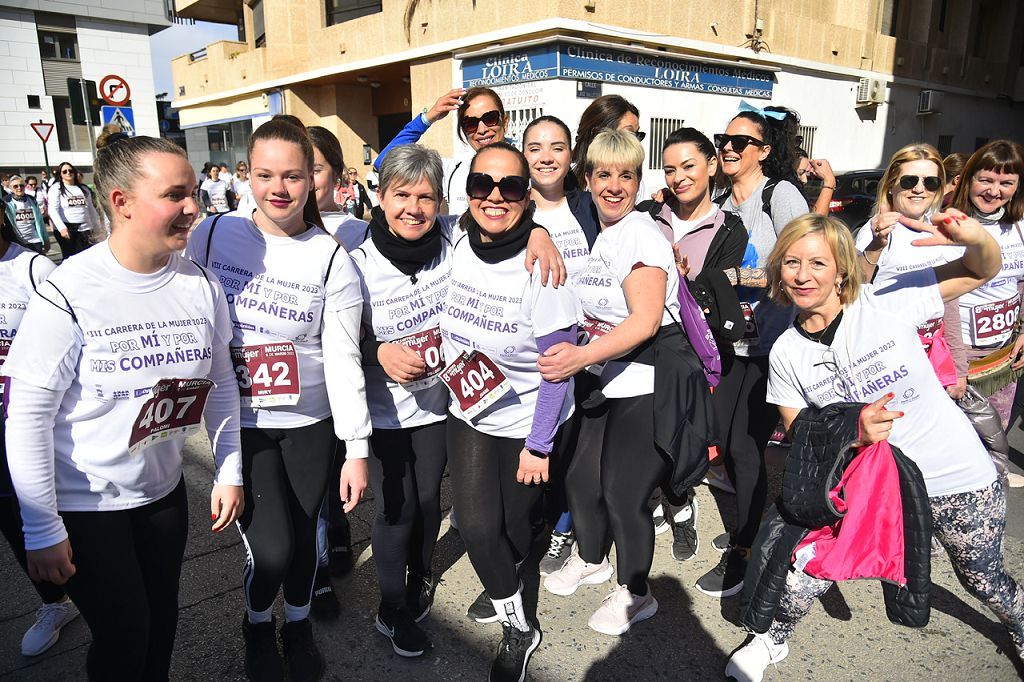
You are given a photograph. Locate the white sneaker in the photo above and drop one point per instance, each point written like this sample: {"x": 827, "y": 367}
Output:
{"x": 50, "y": 618}
{"x": 749, "y": 663}
{"x": 621, "y": 609}
{"x": 661, "y": 524}
{"x": 576, "y": 572}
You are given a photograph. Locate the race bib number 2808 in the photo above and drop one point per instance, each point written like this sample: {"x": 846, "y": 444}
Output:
{"x": 175, "y": 409}
{"x": 475, "y": 381}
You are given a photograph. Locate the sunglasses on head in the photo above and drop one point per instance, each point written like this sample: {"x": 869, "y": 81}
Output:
{"x": 489, "y": 119}
{"x": 512, "y": 187}
{"x": 639, "y": 135}
{"x": 739, "y": 142}
{"x": 931, "y": 182}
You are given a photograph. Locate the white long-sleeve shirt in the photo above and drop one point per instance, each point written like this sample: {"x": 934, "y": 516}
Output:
{"x": 296, "y": 306}
{"x": 85, "y": 431}
{"x": 73, "y": 205}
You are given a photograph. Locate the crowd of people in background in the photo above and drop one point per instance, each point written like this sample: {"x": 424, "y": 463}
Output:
{"x": 578, "y": 345}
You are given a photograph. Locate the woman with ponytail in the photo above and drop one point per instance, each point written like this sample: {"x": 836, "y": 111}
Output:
{"x": 295, "y": 303}
{"x": 757, "y": 153}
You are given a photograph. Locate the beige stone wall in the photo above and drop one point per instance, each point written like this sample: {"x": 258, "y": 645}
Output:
{"x": 347, "y": 111}
{"x": 431, "y": 78}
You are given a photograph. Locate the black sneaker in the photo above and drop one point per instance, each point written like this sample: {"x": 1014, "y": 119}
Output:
{"x": 559, "y": 550}
{"x": 262, "y": 661}
{"x": 339, "y": 552}
{"x": 419, "y": 595}
{"x": 725, "y": 579}
{"x": 482, "y": 610}
{"x": 398, "y": 625}
{"x": 324, "y": 605}
{"x": 722, "y": 542}
{"x": 685, "y": 541}
{"x": 300, "y": 652}
{"x": 513, "y": 655}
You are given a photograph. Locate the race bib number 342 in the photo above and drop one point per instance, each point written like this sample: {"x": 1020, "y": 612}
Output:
{"x": 475, "y": 381}
{"x": 175, "y": 409}
{"x": 267, "y": 375}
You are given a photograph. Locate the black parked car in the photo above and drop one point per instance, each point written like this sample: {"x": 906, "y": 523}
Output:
{"x": 854, "y": 199}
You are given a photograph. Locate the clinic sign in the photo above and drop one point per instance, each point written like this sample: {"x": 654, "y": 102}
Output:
{"x": 575, "y": 61}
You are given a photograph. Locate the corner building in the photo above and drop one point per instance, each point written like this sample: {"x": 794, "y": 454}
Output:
{"x": 866, "y": 76}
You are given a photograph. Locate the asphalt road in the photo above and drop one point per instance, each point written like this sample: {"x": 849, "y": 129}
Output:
{"x": 846, "y": 637}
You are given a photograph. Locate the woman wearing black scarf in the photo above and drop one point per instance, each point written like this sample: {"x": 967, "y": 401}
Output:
{"x": 405, "y": 268}
{"x": 496, "y": 322}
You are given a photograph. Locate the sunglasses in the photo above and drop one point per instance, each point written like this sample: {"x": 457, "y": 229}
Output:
{"x": 490, "y": 119}
{"x": 639, "y": 135}
{"x": 931, "y": 182}
{"x": 67, "y": 171}
{"x": 739, "y": 142}
{"x": 512, "y": 187}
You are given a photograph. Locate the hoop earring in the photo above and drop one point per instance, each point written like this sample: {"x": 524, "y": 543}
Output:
{"x": 839, "y": 287}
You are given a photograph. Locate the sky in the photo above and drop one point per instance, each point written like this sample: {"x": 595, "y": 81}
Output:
{"x": 181, "y": 39}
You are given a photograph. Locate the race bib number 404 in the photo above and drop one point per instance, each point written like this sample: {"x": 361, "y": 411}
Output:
{"x": 267, "y": 375}
{"x": 175, "y": 409}
{"x": 427, "y": 345}
{"x": 475, "y": 381}
{"x": 993, "y": 322}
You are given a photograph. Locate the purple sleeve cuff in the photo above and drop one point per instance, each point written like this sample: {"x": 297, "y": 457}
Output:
{"x": 550, "y": 397}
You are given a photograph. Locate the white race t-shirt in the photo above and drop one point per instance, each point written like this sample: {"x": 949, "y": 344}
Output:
{"x": 278, "y": 289}
{"x": 125, "y": 333}
{"x": 217, "y": 189}
{"x": 988, "y": 313}
{"x": 21, "y": 271}
{"x": 346, "y": 228}
{"x": 73, "y": 205}
{"x": 395, "y": 307}
{"x": 243, "y": 192}
{"x": 455, "y": 173}
{"x": 681, "y": 228}
{"x": 900, "y": 255}
{"x": 568, "y": 236}
{"x": 876, "y": 351}
{"x": 634, "y": 240}
{"x": 500, "y": 310}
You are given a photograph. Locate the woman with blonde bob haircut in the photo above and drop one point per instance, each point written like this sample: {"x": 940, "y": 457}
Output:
{"x": 855, "y": 342}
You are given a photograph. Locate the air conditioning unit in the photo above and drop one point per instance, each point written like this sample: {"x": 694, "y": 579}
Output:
{"x": 870, "y": 91}
{"x": 928, "y": 102}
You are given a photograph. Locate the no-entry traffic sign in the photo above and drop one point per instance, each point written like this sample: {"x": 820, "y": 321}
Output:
{"x": 115, "y": 91}
{"x": 43, "y": 130}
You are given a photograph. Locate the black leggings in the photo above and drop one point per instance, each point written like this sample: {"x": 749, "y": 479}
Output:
{"x": 285, "y": 474}
{"x": 746, "y": 422}
{"x": 494, "y": 508}
{"x": 406, "y": 466}
{"x": 10, "y": 525}
{"x": 612, "y": 475}
{"x": 126, "y": 584}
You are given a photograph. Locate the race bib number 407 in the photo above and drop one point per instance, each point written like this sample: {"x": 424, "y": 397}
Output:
{"x": 475, "y": 381}
{"x": 175, "y": 409}
{"x": 267, "y": 375}
{"x": 427, "y": 345}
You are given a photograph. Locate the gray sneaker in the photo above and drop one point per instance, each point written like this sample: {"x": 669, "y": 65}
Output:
{"x": 559, "y": 549}
{"x": 685, "y": 541}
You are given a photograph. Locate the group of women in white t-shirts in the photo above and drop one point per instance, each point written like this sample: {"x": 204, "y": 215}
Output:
{"x": 534, "y": 340}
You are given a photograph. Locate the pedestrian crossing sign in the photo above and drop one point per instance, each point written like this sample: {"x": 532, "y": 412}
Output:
{"x": 123, "y": 116}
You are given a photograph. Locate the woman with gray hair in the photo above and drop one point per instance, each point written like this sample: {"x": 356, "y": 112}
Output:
{"x": 404, "y": 268}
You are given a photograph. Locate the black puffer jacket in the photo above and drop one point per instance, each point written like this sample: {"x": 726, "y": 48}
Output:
{"x": 815, "y": 464}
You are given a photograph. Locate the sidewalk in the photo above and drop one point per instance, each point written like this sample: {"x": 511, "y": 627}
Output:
{"x": 846, "y": 638}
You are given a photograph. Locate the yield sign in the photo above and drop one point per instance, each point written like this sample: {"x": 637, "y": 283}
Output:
{"x": 43, "y": 130}
{"x": 115, "y": 91}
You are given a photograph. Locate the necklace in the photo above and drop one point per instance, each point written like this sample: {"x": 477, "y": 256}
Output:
{"x": 818, "y": 336}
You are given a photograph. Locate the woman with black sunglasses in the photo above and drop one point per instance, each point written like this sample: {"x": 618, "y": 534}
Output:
{"x": 911, "y": 188}
{"x": 757, "y": 154}
{"x": 504, "y": 424}
{"x": 72, "y": 212}
{"x": 481, "y": 121}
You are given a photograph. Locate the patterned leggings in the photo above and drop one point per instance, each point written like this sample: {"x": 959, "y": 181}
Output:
{"x": 970, "y": 526}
